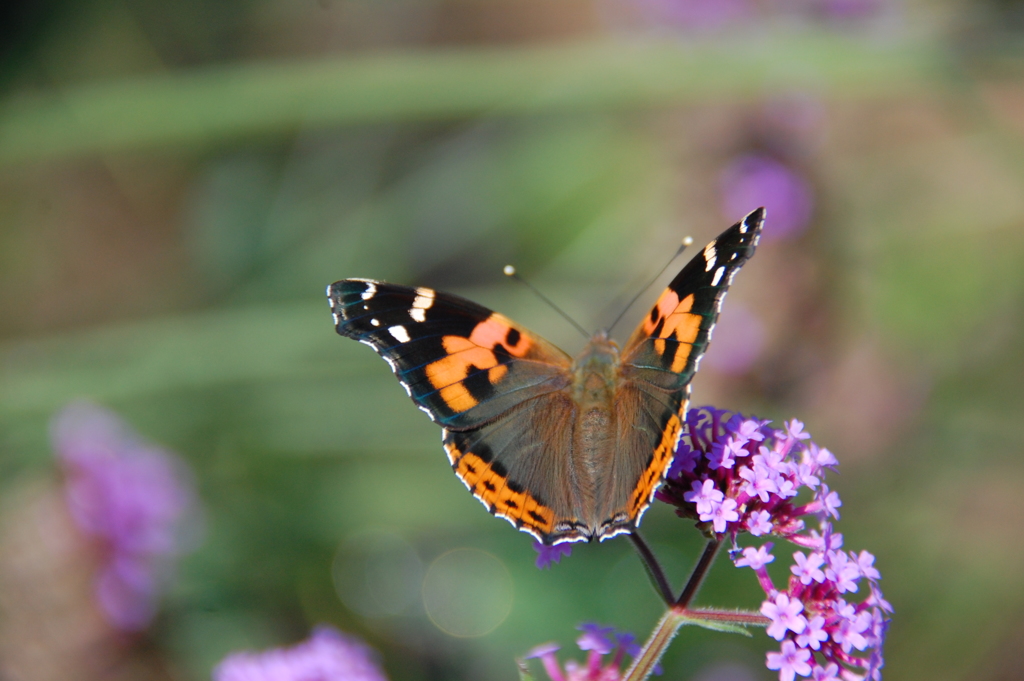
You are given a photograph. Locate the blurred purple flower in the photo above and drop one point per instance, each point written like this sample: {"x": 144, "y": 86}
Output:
{"x": 739, "y": 339}
{"x": 756, "y": 180}
{"x": 135, "y": 499}
{"x": 328, "y": 655}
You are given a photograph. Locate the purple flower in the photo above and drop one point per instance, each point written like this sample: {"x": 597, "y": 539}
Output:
{"x": 740, "y": 473}
{"x": 784, "y": 613}
{"x": 830, "y": 502}
{"x": 760, "y": 482}
{"x": 596, "y": 638}
{"x": 136, "y": 500}
{"x": 760, "y": 523}
{"x": 829, "y": 673}
{"x": 814, "y": 633}
{"x": 755, "y": 558}
{"x": 790, "y": 662}
{"x": 546, "y": 555}
{"x": 686, "y": 459}
{"x": 866, "y": 565}
{"x": 808, "y": 569}
{"x": 597, "y": 642}
{"x": 546, "y": 653}
{"x": 842, "y": 572}
{"x": 757, "y": 180}
{"x": 757, "y": 494}
{"x": 328, "y": 655}
{"x": 721, "y": 514}
{"x": 703, "y": 494}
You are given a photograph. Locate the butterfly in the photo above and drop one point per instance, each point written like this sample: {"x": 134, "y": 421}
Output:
{"x": 565, "y": 449}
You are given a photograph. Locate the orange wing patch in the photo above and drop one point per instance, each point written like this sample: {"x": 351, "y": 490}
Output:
{"x": 498, "y": 494}
{"x": 478, "y": 352}
{"x": 651, "y": 477}
{"x": 671, "y": 319}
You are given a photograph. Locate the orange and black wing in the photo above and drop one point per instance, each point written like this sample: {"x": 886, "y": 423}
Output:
{"x": 660, "y": 358}
{"x": 462, "y": 363}
{"x": 498, "y": 390}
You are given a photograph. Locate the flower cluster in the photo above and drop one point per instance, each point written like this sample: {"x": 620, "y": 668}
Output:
{"x": 328, "y": 654}
{"x": 597, "y": 642}
{"x": 812, "y": 616}
{"x": 735, "y": 474}
{"x": 134, "y": 499}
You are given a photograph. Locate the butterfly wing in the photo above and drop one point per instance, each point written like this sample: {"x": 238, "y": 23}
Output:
{"x": 660, "y": 358}
{"x": 498, "y": 390}
{"x": 519, "y": 467}
{"x": 460, "y": 362}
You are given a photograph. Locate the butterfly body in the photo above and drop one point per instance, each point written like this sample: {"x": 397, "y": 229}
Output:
{"x": 565, "y": 449}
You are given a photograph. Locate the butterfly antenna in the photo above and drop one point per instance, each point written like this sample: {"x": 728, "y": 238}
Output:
{"x": 510, "y": 271}
{"x": 688, "y": 241}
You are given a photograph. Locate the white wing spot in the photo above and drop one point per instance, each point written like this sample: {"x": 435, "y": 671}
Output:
{"x": 371, "y": 290}
{"x": 399, "y": 333}
{"x": 375, "y": 322}
{"x": 718, "y": 276}
{"x": 709, "y": 256}
{"x": 421, "y": 303}
{"x": 424, "y": 298}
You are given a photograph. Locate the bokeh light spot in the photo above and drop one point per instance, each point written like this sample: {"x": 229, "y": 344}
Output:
{"x": 467, "y": 593}
{"x": 377, "y": 574}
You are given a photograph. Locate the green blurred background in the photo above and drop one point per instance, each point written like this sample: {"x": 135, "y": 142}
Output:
{"x": 179, "y": 182}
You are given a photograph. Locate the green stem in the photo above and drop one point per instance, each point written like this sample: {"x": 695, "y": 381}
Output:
{"x": 699, "y": 572}
{"x": 644, "y": 664}
{"x": 667, "y": 628}
{"x": 654, "y": 569}
{"x": 675, "y": 617}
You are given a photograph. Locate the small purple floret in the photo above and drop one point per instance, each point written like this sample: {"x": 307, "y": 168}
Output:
{"x": 790, "y": 662}
{"x": 599, "y": 643}
{"x": 596, "y": 638}
{"x": 546, "y": 555}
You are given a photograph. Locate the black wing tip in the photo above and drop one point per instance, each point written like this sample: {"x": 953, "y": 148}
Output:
{"x": 752, "y": 223}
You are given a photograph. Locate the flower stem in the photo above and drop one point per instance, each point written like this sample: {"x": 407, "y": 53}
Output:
{"x": 677, "y": 614}
{"x": 741, "y": 617}
{"x": 654, "y": 569}
{"x": 644, "y": 663}
{"x": 699, "y": 572}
